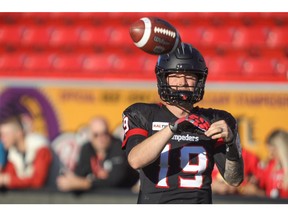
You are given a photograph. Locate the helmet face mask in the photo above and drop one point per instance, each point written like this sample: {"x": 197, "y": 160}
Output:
{"x": 185, "y": 59}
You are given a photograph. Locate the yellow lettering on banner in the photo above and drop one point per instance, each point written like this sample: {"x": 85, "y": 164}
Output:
{"x": 257, "y": 113}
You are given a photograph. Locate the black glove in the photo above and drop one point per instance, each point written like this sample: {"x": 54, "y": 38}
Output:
{"x": 191, "y": 123}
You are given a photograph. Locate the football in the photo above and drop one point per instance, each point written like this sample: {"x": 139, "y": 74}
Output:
{"x": 154, "y": 35}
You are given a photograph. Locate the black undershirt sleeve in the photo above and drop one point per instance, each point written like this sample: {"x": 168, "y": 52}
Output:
{"x": 220, "y": 152}
{"x": 220, "y": 158}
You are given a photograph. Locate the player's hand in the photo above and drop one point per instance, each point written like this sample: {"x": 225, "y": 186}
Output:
{"x": 4, "y": 179}
{"x": 220, "y": 129}
{"x": 191, "y": 123}
{"x": 64, "y": 182}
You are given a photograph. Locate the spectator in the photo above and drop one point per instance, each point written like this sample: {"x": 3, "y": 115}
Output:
{"x": 270, "y": 180}
{"x": 275, "y": 175}
{"x": 252, "y": 174}
{"x": 250, "y": 184}
{"x": 29, "y": 157}
{"x": 219, "y": 186}
{"x": 101, "y": 163}
{"x": 3, "y": 156}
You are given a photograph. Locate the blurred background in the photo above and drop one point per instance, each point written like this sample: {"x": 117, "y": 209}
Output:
{"x": 60, "y": 70}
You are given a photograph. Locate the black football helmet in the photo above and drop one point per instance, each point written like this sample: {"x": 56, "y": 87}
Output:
{"x": 185, "y": 58}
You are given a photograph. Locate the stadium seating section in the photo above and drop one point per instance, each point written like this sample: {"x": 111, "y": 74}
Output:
{"x": 236, "y": 46}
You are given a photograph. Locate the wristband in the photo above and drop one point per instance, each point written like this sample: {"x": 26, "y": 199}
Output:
{"x": 233, "y": 149}
{"x": 172, "y": 127}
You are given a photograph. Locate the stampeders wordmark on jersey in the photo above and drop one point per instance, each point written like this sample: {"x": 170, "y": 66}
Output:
{"x": 157, "y": 126}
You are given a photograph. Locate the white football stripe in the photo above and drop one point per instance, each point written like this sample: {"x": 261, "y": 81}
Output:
{"x": 147, "y": 33}
{"x": 164, "y": 31}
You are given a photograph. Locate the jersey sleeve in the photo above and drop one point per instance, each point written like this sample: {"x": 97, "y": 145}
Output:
{"x": 135, "y": 125}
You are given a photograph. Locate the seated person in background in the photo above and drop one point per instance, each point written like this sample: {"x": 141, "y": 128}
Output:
{"x": 219, "y": 186}
{"x": 274, "y": 177}
{"x": 250, "y": 184}
{"x": 102, "y": 163}
{"x": 29, "y": 156}
{"x": 252, "y": 174}
{"x": 3, "y": 156}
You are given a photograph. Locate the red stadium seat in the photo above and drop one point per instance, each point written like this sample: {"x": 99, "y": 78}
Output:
{"x": 114, "y": 55}
{"x": 38, "y": 62}
{"x": 36, "y": 36}
{"x": 119, "y": 36}
{"x": 124, "y": 64}
{"x": 219, "y": 19}
{"x": 94, "y": 36}
{"x": 123, "y": 18}
{"x": 92, "y": 17}
{"x": 217, "y": 37}
{"x": 281, "y": 67}
{"x": 184, "y": 17}
{"x": 251, "y": 18}
{"x": 62, "y": 17}
{"x": 279, "y": 18}
{"x": 149, "y": 63}
{"x": 68, "y": 62}
{"x": 98, "y": 63}
{"x": 10, "y": 18}
{"x": 278, "y": 37}
{"x": 250, "y": 37}
{"x": 191, "y": 34}
{"x": 64, "y": 36}
{"x": 11, "y": 35}
{"x": 224, "y": 66}
{"x": 32, "y": 18}
{"x": 89, "y": 15}
{"x": 259, "y": 67}
{"x": 10, "y": 62}
{"x": 134, "y": 66}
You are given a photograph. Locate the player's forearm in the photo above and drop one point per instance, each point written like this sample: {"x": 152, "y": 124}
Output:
{"x": 234, "y": 168}
{"x": 234, "y": 173}
{"x": 149, "y": 150}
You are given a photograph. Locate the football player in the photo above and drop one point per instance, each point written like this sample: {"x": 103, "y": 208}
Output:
{"x": 175, "y": 144}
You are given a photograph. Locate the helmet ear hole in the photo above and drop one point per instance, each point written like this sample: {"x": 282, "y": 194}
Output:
{"x": 184, "y": 59}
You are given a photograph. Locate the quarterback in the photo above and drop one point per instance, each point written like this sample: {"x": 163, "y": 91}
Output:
{"x": 175, "y": 144}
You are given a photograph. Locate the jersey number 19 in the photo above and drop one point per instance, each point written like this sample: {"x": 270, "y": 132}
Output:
{"x": 195, "y": 170}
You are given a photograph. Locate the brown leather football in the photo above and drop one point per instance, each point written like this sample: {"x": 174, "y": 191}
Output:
{"x": 154, "y": 35}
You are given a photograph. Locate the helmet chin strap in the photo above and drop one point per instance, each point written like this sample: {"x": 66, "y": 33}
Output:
{"x": 186, "y": 107}
{"x": 182, "y": 101}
